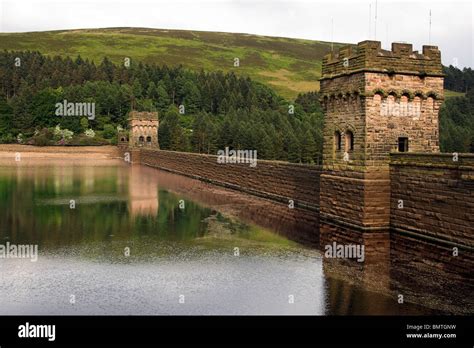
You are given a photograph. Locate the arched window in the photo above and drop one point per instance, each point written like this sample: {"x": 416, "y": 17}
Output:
{"x": 377, "y": 98}
{"x": 349, "y": 141}
{"x": 332, "y": 104}
{"x": 392, "y": 110}
{"x": 429, "y": 103}
{"x": 141, "y": 140}
{"x": 122, "y": 139}
{"x": 337, "y": 140}
{"x": 148, "y": 140}
{"x": 416, "y": 106}
{"x": 404, "y": 101}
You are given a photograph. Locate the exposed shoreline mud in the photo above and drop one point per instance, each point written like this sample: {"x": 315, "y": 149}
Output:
{"x": 69, "y": 152}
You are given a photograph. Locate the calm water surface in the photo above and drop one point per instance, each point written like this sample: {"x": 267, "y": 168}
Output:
{"x": 183, "y": 247}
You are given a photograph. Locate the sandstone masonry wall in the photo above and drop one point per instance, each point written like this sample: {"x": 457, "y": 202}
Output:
{"x": 437, "y": 195}
{"x": 360, "y": 199}
{"x": 344, "y": 111}
{"x": 401, "y": 106}
{"x": 269, "y": 179}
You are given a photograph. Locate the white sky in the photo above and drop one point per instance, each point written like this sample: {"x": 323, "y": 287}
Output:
{"x": 398, "y": 20}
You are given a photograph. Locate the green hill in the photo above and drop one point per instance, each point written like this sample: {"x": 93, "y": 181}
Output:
{"x": 290, "y": 66}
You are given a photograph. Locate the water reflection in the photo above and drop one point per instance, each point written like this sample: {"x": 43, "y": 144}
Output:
{"x": 143, "y": 193}
{"x": 173, "y": 251}
{"x": 427, "y": 275}
{"x": 227, "y": 252}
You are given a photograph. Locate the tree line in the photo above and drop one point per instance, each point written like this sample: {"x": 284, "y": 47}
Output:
{"x": 458, "y": 80}
{"x": 199, "y": 111}
{"x": 457, "y": 114}
{"x": 456, "y": 124}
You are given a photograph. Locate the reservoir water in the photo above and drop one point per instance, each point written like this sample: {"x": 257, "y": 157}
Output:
{"x": 119, "y": 239}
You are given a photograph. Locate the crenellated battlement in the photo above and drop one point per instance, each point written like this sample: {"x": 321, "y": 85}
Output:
{"x": 369, "y": 56}
{"x": 143, "y": 115}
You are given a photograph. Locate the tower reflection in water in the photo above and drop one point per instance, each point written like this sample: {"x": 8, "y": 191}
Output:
{"x": 143, "y": 193}
{"x": 424, "y": 274}
{"x": 119, "y": 206}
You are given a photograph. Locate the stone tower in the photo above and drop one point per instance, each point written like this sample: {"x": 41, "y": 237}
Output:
{"x": 375, "y": 102}
{"x": 143, "y": 129}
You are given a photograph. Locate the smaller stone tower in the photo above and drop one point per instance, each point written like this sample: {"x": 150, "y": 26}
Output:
{"x": 143, "y": 129}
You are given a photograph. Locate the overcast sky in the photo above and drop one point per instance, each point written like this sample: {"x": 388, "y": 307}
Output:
{"x": 452, "y": 21}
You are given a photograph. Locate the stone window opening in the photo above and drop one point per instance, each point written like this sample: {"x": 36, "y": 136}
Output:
{"x": 349, "y": 141}
{"x": 141, "y": 140}
{"x": 337, "y": 140}
{"x": 148, "y": 140}
{"x": 402, "y": 144}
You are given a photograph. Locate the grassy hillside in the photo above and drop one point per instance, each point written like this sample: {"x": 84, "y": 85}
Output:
{"x": 290, "y": 66}
{"x": 452, "y": 94}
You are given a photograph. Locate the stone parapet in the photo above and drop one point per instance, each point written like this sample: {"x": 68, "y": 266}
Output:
{"x": 369, "y": 56}
{"x": 433, "y": 195}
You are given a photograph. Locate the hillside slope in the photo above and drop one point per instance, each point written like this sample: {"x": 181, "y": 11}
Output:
{"x": 290, "y": 66}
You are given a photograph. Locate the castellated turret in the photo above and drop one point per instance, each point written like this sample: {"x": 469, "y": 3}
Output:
{"x": 376, "y": 102}
{"x": 388, "y": 100}
{"x": 143, "y": 129}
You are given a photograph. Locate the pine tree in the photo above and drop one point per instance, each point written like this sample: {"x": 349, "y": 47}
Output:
{"x": 308, "y": 147}
{"x": 293, "y": 147}
{"x": 265, "y": 146}
{"x": 163, "y": 100}
{"x": 192, "y": 99}
{"x": 6, "y": 119}
{"x": 23, "y": 121}
{"x": 108, "y": 69}
{"x": 152, "y": 92}
{"x": 137, "y": 89}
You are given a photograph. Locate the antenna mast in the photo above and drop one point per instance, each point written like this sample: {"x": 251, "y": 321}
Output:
{"x": 332, "y": 34}
{"x": 429, "y": 32}
{"x": 370, "y": 20}
{"x": 375, "y": 30}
